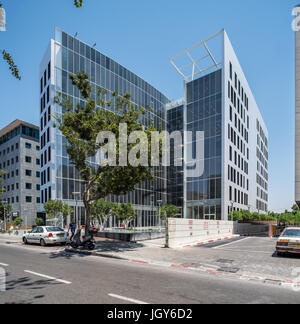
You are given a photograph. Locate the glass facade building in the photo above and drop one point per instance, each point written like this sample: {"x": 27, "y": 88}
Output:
{"x": 175, "y": 113}
{"x": 67, "y": 55}
{"x": 204, "y": 113}
{"x": 218, "y": 101}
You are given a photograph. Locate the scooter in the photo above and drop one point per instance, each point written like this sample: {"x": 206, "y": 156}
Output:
{"x": 87, "y": 243}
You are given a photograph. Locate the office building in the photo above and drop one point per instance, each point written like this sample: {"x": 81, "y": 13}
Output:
{"x": 220, "y": 103}
{"x": 20, "y": 158}
{"x": 59, "y": 179}
{"x": 217, "y": 101}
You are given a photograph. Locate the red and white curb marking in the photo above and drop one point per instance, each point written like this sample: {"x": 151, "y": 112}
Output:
{"x": 211, "y": 241}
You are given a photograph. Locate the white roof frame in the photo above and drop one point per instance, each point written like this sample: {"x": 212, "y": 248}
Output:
{"x": 196, "y": 70}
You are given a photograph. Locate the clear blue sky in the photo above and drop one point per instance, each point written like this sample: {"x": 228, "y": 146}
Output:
{"x": 143, "y": 35}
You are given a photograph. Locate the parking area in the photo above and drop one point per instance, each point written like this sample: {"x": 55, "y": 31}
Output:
{"x": 247, "y": 256}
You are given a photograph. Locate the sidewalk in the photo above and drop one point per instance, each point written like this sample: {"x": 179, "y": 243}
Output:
{"x": 243, "y": 263}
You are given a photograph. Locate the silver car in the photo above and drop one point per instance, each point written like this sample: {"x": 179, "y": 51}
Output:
{"x": 46, "y": 235}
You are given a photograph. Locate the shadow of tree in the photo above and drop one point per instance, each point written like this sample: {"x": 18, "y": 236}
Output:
{"x": 101, "y": 247}
{"x": 29, "y": 284}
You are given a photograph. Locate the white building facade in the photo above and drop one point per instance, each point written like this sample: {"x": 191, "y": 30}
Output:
{"x": 220, "y": 103}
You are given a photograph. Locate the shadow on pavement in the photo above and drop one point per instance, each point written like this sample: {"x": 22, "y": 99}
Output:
{"x": 27, "y": 283}
{"x": 104, "y": 247}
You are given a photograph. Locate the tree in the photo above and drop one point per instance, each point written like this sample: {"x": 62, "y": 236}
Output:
{"x": 39, "y": 222}
{"x": 125, "y": 213}
{"x": 168, "y": 211}
{"x": 5, "y": 210}
{"x": 81, "y": 127}
{"x": 52, "y": 208}
{"x": 66, "y": 210}
{"x": 2, "y": 172}
{"x": 101, "y": 210}
{"x": 18, "y": 221}
{"x": 7, "y": 57}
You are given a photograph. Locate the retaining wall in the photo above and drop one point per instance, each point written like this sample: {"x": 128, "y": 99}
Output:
{"x": 180, "y": 232}
{"x": 251, "y": 229}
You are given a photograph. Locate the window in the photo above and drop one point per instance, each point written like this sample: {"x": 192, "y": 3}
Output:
{"x": 28, "y": 199}
{"x": 38, "y": 187}
{"x": 28, "y": 145}
{"x": 49, "y": 70}
{"x": 38, "y": 200}
{"x": 27, "y": 159}
{"x": 38, "y": 174}
{"x": 28, "y": 173}
{"x": 28, "y": 186}
{"x": 38, "y": 162}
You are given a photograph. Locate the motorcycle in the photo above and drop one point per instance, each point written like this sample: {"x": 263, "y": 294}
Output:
{"x": 87, "y": 243}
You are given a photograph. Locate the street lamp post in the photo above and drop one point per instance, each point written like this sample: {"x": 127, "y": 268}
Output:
{"x": 159, "y": 205}
{"x": 232, "y": 203}
{"x": 4, "y": 209}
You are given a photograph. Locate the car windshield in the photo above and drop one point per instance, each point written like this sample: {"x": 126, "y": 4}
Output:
{"x": 54, "y": 229}
{"x": 291, "y": 233}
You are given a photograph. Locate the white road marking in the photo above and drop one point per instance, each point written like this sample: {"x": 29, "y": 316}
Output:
{"x": 48, "y": 277}
{"x": 248, "y": 251}
{"x": 4, "y": 265}
{"x": 128, "y": 299}
{"x": 221, "y": 246}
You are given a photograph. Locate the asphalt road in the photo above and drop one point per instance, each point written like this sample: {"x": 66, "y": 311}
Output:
{"x": 85, "y": 279}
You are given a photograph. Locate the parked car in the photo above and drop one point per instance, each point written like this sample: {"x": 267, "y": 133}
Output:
{"x": 289, "y": 241}
{"x": 46, "y": 235}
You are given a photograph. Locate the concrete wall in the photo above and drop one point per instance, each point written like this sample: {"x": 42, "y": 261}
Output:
{"x": 180, "y": 232}
{"x": 251, "y": 229}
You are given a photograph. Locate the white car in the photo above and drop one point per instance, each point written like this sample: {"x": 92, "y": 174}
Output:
{"x": 289, "y": 241}
{"x": 45, "y": 235}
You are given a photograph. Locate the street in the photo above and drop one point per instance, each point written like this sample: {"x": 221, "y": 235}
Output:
{"x": 36, "y": 275}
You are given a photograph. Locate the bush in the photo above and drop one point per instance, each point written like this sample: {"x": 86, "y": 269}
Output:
{"x": 39, "y": 222}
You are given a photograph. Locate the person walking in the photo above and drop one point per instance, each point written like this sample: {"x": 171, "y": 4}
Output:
{"x": 72, "y": 228}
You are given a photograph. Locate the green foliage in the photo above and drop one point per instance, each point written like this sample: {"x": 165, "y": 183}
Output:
{"x": 101, "y": 210}
{"x": 125, "y": 213}
{"x": 11, "y": 64}
{"x": 66, "y": 210}
{"x": 39, "y": 222}
{"x": 52, "y": 208}
{"x": 81, "y": 126}
{"x": 2, "y": 172}
{"x": 5, "y": 209}
{"x": 18, "y": 221}
{"x": 286, "y": 218}
{"x": 78, "y": 3}
{"x": 168, "y": 211}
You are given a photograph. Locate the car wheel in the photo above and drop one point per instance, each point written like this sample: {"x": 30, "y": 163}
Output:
{"x": 25, "y": 241}
{"x": 43, "y": 243}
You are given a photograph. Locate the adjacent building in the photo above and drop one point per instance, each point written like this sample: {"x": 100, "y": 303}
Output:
{"x": 20, "y": 158}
